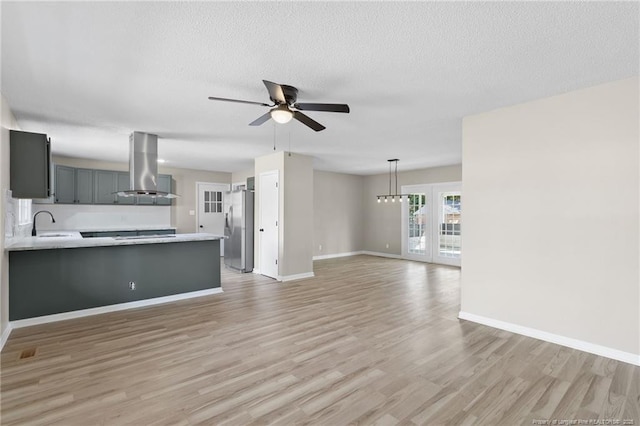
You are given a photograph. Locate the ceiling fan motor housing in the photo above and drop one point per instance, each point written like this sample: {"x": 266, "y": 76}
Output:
{"x": 290, "y": 94}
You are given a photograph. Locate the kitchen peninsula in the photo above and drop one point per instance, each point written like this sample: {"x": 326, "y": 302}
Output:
{"x": 62, "y": 272}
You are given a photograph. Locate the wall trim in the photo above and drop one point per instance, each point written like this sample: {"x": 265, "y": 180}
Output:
{"x": 285, "y": 278}
{"x": 375, "y": 253}
{"x": 569, "y": 342}
{"x": 5, "y": 335}
{"x": 334, "y": 255}
{"x": 112, "y": 308}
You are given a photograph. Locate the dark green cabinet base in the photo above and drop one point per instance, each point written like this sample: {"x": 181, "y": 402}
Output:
{"x": 45, "y": 282}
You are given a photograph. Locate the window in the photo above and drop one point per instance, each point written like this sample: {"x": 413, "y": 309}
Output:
{"x": 212, "y": 202}
{"x": 24, "y": 212}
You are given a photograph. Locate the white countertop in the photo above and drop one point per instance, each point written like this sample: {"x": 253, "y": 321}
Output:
{"x": 73, "y": 239}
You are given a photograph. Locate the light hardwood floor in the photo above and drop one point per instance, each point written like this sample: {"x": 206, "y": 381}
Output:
{"x": 367, "y": 341}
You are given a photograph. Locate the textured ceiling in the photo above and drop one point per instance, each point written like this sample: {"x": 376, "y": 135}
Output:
{"x": 89, "y": 74}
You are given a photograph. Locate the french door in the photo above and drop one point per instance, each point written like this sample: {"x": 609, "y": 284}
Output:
{"x": 431, "y": 223}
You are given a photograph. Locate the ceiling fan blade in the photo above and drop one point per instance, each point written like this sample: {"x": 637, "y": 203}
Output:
{"x": 275, "y": 92}
{"x": 212, "y": 98}
{"x": 261, "y": 120}
{"x": 322, "y": 107}
{"x": 308, "y": 121}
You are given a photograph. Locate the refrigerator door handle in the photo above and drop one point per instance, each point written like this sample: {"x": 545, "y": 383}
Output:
{"x": 226, "y": 218}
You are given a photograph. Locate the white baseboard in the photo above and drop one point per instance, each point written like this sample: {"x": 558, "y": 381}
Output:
{"x": 581, "y": 345}
{"x": 375, "y": 253}
{"x": 112, "y": 308}
{"x": 284, "y": 278}
{"x": 5, "y": 335}
{"x": 333, "y": 256}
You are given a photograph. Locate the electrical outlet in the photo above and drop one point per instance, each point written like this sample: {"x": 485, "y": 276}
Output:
{"x": 132, "y": 285}
{"x": 320, "y": 247}
{"x": 387, "y": 246}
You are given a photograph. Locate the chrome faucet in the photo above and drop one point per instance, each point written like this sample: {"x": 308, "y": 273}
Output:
{"x": 33, "y": 230}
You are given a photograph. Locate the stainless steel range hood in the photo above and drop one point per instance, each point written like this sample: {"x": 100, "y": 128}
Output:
{"x": 143, "y": 167}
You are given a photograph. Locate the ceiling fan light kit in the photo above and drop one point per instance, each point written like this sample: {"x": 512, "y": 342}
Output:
{"x": 395, "y": 195}
{"x": 284, "y": 100}
{"x": 281, "y": 114}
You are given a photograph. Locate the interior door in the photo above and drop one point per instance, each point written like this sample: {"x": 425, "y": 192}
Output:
{"x": 268, "y": 233}
{"x": 210, "y": 215}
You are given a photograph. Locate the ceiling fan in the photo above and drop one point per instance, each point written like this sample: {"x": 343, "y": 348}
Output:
{"x": 285, "y": 106}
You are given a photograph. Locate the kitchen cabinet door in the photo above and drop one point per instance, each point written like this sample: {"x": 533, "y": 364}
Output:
{"x": 84, "y": 186}
{"x": 65, "y": 187}
{"x": 164, "y": 185}
{"x": 104, "y": 186}
{"x": 123, "y": 184}
{"x": 29, "y": 165}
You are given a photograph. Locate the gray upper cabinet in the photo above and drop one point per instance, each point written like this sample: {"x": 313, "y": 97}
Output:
{"x": 124, "y": 185}
{"x": 164, "y": 185}
{"x": 84, "y": 186}
{"x": 105, "y": 182}
{"x": 73, "y": 186}
{"x": 87, "y": 186}
{"x": 29, "y": 164}
{"x": 65, "y": 187}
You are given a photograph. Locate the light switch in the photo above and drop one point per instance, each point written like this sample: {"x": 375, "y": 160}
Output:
{"x": 192, "y": 212}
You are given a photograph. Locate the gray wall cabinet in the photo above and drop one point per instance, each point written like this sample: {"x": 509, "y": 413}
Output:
{"x": 73, "y": 186}
{"x": 164, "y": 185}
{"x": 87, "y": 186}
{"x": 84, "y": 186}
{"x": 65, "y": 186}
{"x": 123, "y": 184}
{"x": 105, "y": 183}
{"x": 29, "y": 164}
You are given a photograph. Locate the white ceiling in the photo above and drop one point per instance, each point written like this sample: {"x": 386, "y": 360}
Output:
{"x": 89, "y": 74}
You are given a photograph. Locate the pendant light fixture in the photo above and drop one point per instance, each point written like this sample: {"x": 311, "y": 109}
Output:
{"x": 392, "y": 196}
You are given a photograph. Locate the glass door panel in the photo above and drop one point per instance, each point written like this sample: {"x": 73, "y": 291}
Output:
{"x": 416, "y": 223}
{"x": 447, "y": 247}
{"x": 417, "y": 219}
{"x": 449, "y": 226}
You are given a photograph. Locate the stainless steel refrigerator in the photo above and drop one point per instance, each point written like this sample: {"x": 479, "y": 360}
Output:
{"x": 238, "y": 230}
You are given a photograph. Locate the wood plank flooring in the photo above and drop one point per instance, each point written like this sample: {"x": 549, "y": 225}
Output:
{"x": 367, "y": 341}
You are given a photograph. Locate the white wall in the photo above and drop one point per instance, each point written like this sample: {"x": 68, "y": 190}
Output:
{"x": 338, "y": 213}
{"x": 241, "y": 176}
{"x": 7, "y": 122}
{"x": 86, "y": 217}
{"x": 550, "y": 195}
{"x": 264, "y": 164}
{"x": 298, "y": 218}
{"x": 295, "y": 211}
